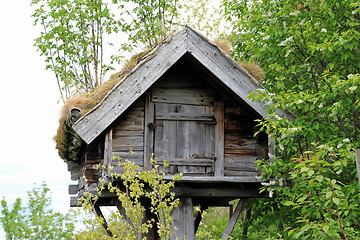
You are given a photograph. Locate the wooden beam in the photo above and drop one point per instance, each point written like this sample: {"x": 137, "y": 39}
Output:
{"x": 73, "y": 189}
{"x": 215, "y": 179}
{"x": 105, "y": 225}
{"x": 219, "y": 138}
{"x": 216, "y": 192}
{"x": 233, "y": 219}
{"x": 148, "y": 132}
{"x": 357, "y": 158}
{"x": 107, "y": 155}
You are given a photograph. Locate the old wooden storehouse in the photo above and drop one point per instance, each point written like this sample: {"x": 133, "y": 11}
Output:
{"x": 186, "y": 103}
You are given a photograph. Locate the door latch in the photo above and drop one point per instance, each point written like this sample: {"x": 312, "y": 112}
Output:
{"x": 154, "y": 125}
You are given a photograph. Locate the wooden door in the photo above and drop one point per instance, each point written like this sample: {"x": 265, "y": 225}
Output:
{"x": 184, "y": 136}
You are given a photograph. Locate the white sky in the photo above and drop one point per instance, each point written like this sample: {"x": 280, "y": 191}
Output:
{"x": 28, "y": 112}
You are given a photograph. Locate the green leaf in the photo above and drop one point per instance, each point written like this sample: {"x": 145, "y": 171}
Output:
{"x": 336, "y": 201}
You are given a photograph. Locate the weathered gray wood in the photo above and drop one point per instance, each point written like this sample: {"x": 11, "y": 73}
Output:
{"x": 183, "y": 96}
{"x": 108, "y": 153}
{"x": 188, "y": 162}
{"x": 185, "y": 117}
{"x": 241, "y": 173}
{"x": 357, "y": 158}
{"x": 216, "y": 192}
{"x": 74, "y": 202}
{"x": 233, "y": 219}
{"x": 183, "y": 221}
{"x": 131, "y": 88}
{"x": 73, "y": 189}
{"x": 76, "y": 175}
{"x": 148, "y": 132}
{"x": 217, "y": 179}
{"x": 219, "y": 138}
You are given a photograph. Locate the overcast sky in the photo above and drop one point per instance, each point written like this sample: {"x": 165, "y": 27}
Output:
{"x": 29, "y": 112}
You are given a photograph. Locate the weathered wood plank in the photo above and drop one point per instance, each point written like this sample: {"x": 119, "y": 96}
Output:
{"x": 130, "y": 141}
{"x": 219, "y": 138}
{"x": 187, "y": 162}
{"x": 73, "y": 189}
{"x": 216, "y": 192}
{"x": 183, "y": 221}
{"x": 240, "y": 173}
{"x": 183, "y": 96}
{"x": 185, "y": 116}
{"x": 233, "y": 219}
{"x": 107, "y": 155}
{"x": 215, "y": 179}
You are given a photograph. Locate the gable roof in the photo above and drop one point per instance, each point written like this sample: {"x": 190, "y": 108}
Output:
{"x": 156, "y": 63}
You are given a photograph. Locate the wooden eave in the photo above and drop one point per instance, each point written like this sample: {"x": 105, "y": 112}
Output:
{"x": 229, "y": 73}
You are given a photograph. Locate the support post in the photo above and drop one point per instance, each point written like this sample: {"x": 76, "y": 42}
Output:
{"x": 246, "y": 220}
{"x": 233, "y": 219}
{"x": 183, "y": 221}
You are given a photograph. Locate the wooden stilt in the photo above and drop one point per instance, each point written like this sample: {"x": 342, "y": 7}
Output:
{"x": 183, "y": 221}
{"x": 246, "y": 220}
{"x": 233, "y": 219}
{"x": 105, "y": 225}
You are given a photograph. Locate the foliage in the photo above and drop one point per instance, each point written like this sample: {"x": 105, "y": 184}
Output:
{"x": 204, "y": 16}
{"x": 80, "y": 38}
{"x": 309, "y": 51}
{"x": 72, "y": 41}
{"x": 35, "y": 220}
{"x": 151, "y": 21}
{"x": 329, "y": 208}
{"x": 135, "y": 189}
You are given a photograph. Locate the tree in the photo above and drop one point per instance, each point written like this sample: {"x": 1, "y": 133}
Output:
{"x": 309, "y": 52}
{"x": 72, "y": 41}
{"x": 35, "y": 220}
{"x": 80, "y": 39}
